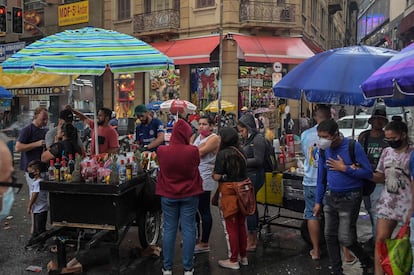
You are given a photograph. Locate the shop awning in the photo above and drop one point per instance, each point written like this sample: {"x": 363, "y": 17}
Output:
{"x": 189, "y": 51}
{"x": 270, "y": 49}
{"x": 34, "y": 80}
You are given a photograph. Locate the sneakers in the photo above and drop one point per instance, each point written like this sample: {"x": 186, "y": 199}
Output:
{"x": 244, "y": 261}
{"x": 228, "y": 264}
{"x": 314, "y": 257}
{"x": 167, "y": 272}
{"x": 189, "y": 272}
{"x": 201, "y": 249}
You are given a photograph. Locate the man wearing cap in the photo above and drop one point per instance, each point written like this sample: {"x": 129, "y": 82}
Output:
{"x": 244, "y": 110}
{"x": 373, "y": 143}
{"x": 51, "y": 136}
{"x": 149, "y": 134}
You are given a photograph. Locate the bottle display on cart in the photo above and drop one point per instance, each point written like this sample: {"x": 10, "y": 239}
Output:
{"x": 122, "y": 172}
{"x": 63, "y": 171}
{"x": 57, "y": 166}
{"x": 88, "y": 173}
{"x": 51, "y": 170}
{"x": 128, "y": 168}
{"x": 101, "y": 173}
{"x": 290, "y": 145}
{"x": 134, "y": 167}
{"x": 282, "y": 157}
{"x": 71, "y": 164}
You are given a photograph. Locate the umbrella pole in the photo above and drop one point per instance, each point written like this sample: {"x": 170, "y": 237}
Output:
{"x": 95, "y": 119}
{"x": 353, "y": 124}
{"x": 70, "y": 98}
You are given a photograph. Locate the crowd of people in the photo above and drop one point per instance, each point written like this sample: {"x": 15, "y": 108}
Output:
{"x": 197, "y": 158}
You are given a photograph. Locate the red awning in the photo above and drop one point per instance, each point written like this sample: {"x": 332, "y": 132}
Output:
{"x": 406, "y": 23}
{"x": 270, "y": 49}
{"x": 189, "y": 51}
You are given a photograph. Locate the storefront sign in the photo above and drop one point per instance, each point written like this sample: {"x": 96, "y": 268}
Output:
{"x": 7, "y": 50}
{"x": 38, "y": 91}
{"x": 74, "y": 13}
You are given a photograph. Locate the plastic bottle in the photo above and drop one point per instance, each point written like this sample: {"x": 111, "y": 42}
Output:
{"x": 63, "y": 171}
{"x": 282, "y": 158}
{"x": 128, "y": 169}
{"x": 101, "y": 173}
{"x": 71, "y": 164}
{"x": 122, "y": 172}
{"x": 57, "y": 169}
{"x": 134, "y": 167}
{"x": 88, "y": 173}
{"x": 51, "y": 170}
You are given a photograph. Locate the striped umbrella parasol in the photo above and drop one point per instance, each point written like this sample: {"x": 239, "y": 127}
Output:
{"x": 225, "y": 105}
{"x": 87, "y": 51}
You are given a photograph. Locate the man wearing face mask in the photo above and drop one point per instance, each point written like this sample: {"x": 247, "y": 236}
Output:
{"x": 339, "y": 186}
{"x": 107, "y": 135}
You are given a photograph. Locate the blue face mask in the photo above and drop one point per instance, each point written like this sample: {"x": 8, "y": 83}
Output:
{"x": 8, "y": 199}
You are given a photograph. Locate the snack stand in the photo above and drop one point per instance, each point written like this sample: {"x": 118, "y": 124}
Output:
{"x": 106, "y": 210}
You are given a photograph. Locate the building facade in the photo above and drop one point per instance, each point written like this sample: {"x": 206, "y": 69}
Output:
{"x": 244, "y": 46}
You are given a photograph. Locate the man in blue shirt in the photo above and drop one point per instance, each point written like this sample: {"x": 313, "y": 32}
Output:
{"x": 339, "y": 186}
{"x": 149, "y": 134}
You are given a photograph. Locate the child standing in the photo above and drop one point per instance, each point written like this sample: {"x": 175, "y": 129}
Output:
{"x": 38, "y": 204}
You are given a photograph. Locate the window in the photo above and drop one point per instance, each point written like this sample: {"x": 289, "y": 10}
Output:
{"x": 322, "y": 20}
{"x": 205, "y": 3}
{"x": 314, "y": 12}
{"x": 124, "y": 9}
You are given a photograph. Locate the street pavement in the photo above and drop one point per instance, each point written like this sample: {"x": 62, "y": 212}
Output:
{"x": 280, "y": 250}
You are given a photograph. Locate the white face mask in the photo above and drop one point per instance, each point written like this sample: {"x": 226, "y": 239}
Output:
{"x": 324, "y": 143}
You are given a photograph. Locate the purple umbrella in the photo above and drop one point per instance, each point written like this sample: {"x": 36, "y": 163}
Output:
{"x": 394, "y": 80}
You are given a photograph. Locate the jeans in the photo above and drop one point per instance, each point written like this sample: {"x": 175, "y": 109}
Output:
{"x": 206, "y": 218}
{"x": 412, "y": 241}
{"x": 370, "y": 203}
{"x": 184, "y": 211}
{"x": 40, "y": 220}
{"x": 341, "y": 213}
{"x": 258, "y": 180}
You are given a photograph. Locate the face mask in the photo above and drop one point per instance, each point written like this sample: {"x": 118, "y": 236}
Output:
{"x": 204, "y": 133}
{"x": 395, "y": 143}
{"x": 32, "y": 175}
{"x": 324, "y": 143}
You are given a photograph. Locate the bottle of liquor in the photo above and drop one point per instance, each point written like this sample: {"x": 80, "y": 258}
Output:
{"x": 122, "y": 172}
{"x": 88, "y": 173}
{"x": 63, "y": 171}
{"x": 128, "y": 170}
{"x": 101, "y": 174}
{"x": 71, "y": 164}
{"x": 51, "y": 170}
{"x": 134, "y": 167}
{"x": 57, "y": 170}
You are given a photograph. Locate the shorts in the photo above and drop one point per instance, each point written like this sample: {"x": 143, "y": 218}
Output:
{"x": 309, "y": 193}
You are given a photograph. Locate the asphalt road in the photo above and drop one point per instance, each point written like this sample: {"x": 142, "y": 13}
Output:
{"x": 280, "y": 251}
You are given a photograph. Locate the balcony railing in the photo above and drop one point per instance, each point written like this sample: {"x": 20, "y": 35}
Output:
{"x": 276, "y": 12}
{"x": 157, "y": 20}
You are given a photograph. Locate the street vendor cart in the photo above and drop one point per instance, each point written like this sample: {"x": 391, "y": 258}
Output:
{"x": 106, "y": 210}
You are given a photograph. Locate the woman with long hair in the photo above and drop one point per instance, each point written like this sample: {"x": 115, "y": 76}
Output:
{"x": 395, "y": 202}
{"x": 230, "y": 167}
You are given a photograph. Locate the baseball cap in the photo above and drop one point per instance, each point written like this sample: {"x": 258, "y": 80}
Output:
{"x": 140, "y": 110}
{"x": 66, "y": 115}
{"x": 378, "y": 113}
{"x": 244, "y": 108}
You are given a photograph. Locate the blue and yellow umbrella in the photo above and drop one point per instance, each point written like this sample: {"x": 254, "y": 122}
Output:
{"x": 87, "y": 51}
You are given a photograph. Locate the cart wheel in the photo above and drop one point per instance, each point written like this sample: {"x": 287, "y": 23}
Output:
{"x": 149, "y": 228}
{"x": 305, "y": 233}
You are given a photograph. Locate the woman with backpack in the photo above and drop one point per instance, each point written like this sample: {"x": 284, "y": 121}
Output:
{"x": 253, "y": 147}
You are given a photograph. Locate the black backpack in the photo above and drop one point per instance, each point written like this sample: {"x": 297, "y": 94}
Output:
{"x": 369, "y": 185}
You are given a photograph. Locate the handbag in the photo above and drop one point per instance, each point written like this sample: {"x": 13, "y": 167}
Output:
{"x": 246, "y": 198}
{"x": 395, "y": 255}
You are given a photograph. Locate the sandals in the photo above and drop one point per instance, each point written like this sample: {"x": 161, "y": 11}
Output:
{"x": 314, "y": 257}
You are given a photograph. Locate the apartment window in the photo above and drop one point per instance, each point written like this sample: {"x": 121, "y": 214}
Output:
{"x": 304, "y": 6}
{"x": 314, "y": 12}
{"x": 124, "y": 9}
{"x": 205, "y": 3}
{"x": 322, "y": 20}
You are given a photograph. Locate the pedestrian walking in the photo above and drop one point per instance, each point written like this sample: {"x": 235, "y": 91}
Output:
{"x": 395, "y": 202}
{"x": 6, "y": 178}
{"x": 340, "y": 183}
{"x": 179, "y": 184}
{"x": 253, "y": 147}
{"x": 230, "y": 167}
{"x": 31, "y": 143}
{"x": 208, "y": 144}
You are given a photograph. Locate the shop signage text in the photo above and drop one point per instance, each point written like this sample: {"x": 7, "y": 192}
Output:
{"x": 38, "y": 91}
{"x": 73, "y": 13}
{"x": 7, "y": 50}
{"x": 243, "y": 82}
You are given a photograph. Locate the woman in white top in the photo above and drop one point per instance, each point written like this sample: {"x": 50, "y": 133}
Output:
{"x": 208, "y": 144}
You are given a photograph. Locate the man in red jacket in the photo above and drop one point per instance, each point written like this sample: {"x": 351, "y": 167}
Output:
{"x": 179, "y": 184}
